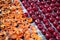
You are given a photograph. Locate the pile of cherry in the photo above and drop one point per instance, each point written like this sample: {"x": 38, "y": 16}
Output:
{"x": 46, "y": 15}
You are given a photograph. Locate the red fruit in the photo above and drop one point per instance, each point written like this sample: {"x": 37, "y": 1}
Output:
{"x": 37, "y": 21}
{"x": 52, "y": 19}
{"x": 40, "y": 17}
{"x": 51, "y": 30}
{"x": 58, "y": 37}
{"x": 55, "y": 23}
{"x": 48, "y": 35}
{"x": 46, "y": 6}
{"x": 47, "y": 15}
{"x": 25, "y": 14}
{"x": 44, "y": 31}
{"x": 37, "y": 13}
{"x": 51, "y": 38}
{"x": 53, "y": 1}
{"x": 57, "y": 18}
{"x": 40, "y": 26}
{"x": 38, "y": 3}
{"x": 41, "y": 7}
{"x": 33, "y": 17}
{"x": 42, "y": 3}
{"x": 55, "y": 34}
{"x": 58, "y": 28}
{"x": 52, "y": 5}
{"x": 45, "y": 20}
{"x": 26, "y": 6}
{"x": 47, "y": 24}
{"x": 49, "y": 9}
{"x": 35, "y": 8}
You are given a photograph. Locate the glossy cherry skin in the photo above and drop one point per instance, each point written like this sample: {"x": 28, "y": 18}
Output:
{"x": 45, "y": 20}
{"x": 33, "y": 17}
{"x": 57, "y": 18}
{"x": 40, "y": 17}
{"x": 55, "y": 23}
{"x": 58, "y": 28}
{"x": 25, "y": 14}
{"x": 37, "y": 21}
{"x": 44, "y": 31}
{"x": 37, "y": 13}
{"x": 48, "y": 35}
{"x": 49, "y": 9}
{"x": 51, "y": 30}
{"x": 54, "y": 15}
{"x": 58, "y": 37}
{"x": 47, "y": 15}
{"x": 52, "y": 19}
{"x": 47, "y": 24}
{"x": 40, "y": 26}
{"x": 55, "y": 33}
{"x": 51, "y": 38}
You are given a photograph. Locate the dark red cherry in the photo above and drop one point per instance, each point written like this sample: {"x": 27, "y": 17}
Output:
{"x": 52, "y": 5}
{"x": 49, "y": 9}
{"x": 47, "y": 15}
{"x": 38, "y": 3}
{"x": 51, "y": 30}
{"x": 32, "y": 4}
{"x": 58, "y": 13}
{"x": 40, "y": 26}
{"x": 33, "y": 17}
{"x": 44, "y": 31}
{"x": 45, "y": 20}
{"x": 26, "y": 6}
{"x": 57, "y": 4}
{"x": 55, "y": 23}
{"x": 47, "y": 24}
{"x": 58, "y": 28}
{"x": 51, "y": 38}
{"x": 52, "y": 19}
{"x": 44, "y": 10}
{"x": 37, "y": 21}
{"x": 37, "y": 13}
{"x": 40, "y": 17}
{"x": 54, "y": 15}
{"x": 29, "y": 9}
{"x": 25, "y": 14}
{"x": 57, "y": 18}
{"x": 53, "y": 1}
{"x": 58, "y": 37}
{"x": 41, "y": 7}
{"x": 23, "y": 2}
{"x": 48, "y": 2}
{"x": 55, "y": 34}
{"x": 42, "y": 3}
{"x": 46, "y": 6}
{"x": 35, "y": 8}
{"x": 48, "y": 35}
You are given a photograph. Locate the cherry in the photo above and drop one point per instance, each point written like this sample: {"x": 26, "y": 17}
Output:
{"x": 29, "y": 9}
{"x": 57, "y": 4}
{"x": 40, "y": 26}
{"x": 33, "y": 17}
{"x": 44, "y": 10}
{"x": 58, "y": 28}
{"x": 41, "y": 7}
{"x": 53, "y": 1}
{"x": 47, "y": 15}
{"x": 26, "y": 6}
{"x": 50, "y": 29}
{"x": 58, "y": 37}
{"x": 54, "y": 15}
{"x": 32, "y": 4}
{"x": 58, "y": 13}
{"x": 35, "y": 8}
{"x": 51, "y": 38}
{"x": 55, "y": 34}
{"x": 52, "y": 5}
{"x": 40, "y": 17}
{"x": 38, "y": 3}
{"x": 52, "y": 19}
{"x": 25, "y": 14}
{"x": 23, "y": 2}
{"x": 48, "y": 2}
{"x": 37, "y": 13}
{"x": 55, "y": 23}
{"x": 48, "y": 35}
{"x": 46, "y": 6}
{"x": 42, "y": 3}
{"x": 49, "y": 9}
{"x": 37, "y": 21}
{"x": 45, "y": 20}
{"x": 57, "y": 18}
{"x": 47, "y": 24}
{"x": 44, "y": 31}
